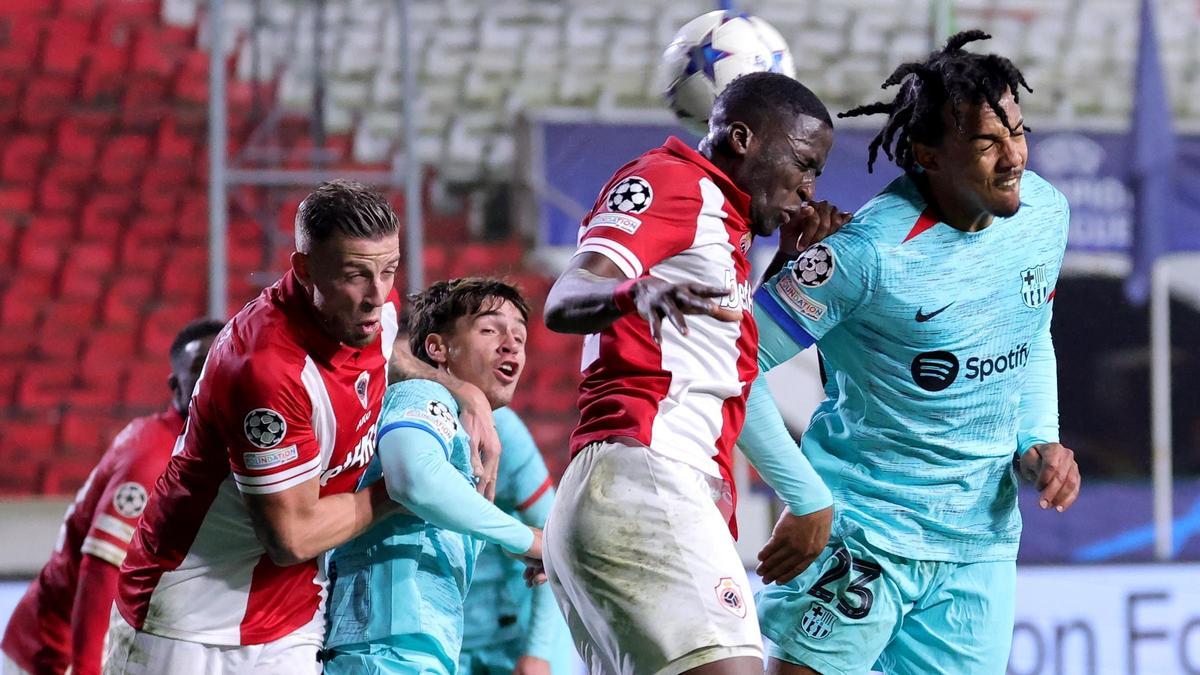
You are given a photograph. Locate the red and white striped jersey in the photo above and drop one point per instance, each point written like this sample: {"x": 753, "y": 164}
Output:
{"x": 279, "y": 403}
{"x": 671, "y": 214}
{"x": 100, "y": 522}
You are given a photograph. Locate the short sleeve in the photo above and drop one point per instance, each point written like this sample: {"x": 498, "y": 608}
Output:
{"x": 820, "y": 289}
{"x": 421, "y": 404}
{"x": 143, "y": 454}
{"x": 523, "y": 474}
{"x": 269, "y": 430}
{"x": 645, "y": 217}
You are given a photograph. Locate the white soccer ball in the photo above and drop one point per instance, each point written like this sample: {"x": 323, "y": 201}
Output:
{"x": 712, "y": 50}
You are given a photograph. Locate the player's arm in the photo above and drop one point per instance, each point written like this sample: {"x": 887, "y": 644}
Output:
{"x": 298, "y": 524}
{"x": 812, "y": 223}
{"x": 275, "y": 459}
{"x": 475, "y": 414}
{"x": 608, "y": 277}
{"x": 1043, "y": 459}
{"x": 418, "y": 474}
{"x": 94, "y": 596}
{"x": 530, "y": 490}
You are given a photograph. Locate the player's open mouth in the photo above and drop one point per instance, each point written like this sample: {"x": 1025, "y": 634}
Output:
{"x": 507, "y": 372}
{"x": 369, "y": 327}
{"x": 1009, "y": 183}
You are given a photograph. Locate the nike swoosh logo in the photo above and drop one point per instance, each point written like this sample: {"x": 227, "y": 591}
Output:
{"x": 922, "y": 318}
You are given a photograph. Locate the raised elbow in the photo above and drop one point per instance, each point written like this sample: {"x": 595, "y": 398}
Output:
{"x": 554, "y": 316}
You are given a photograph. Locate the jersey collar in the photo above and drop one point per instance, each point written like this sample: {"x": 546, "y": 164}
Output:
{"x": 739, "y": 200}
{"x": 293, "y": 298}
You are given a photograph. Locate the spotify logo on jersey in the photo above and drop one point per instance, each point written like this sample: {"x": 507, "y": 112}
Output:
{"x": 934, "y": 371}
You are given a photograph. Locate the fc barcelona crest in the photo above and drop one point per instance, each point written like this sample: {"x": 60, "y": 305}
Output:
{"x": 1035, "y": 286}
{"x": 817, "y": 623}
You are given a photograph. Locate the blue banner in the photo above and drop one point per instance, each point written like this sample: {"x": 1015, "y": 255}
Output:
{"x": 1092, "y": 169}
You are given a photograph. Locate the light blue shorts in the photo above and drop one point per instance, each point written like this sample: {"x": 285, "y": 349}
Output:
{"x": 859, "y": 608}
{"x": 403, "y": 655}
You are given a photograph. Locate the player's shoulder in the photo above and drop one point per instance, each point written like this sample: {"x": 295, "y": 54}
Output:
{"x": 664, "y": 173}
{"x": 258, "y": 349}
{"x": 890, "y": 215}
{"x": 420, "y": 402}
{"x": 1041, "y": 193}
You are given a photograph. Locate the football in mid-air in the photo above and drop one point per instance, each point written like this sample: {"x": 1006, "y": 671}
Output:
{"x": 712, "y": 50}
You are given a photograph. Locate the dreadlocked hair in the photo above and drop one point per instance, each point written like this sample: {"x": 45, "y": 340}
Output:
{"x": 951, "y": 74}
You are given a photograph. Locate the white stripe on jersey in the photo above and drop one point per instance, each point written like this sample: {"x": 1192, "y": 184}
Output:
{"x": 114, "y": 526}
{"x": 705, "y": 362}
{"x": 278, "y": 482}
{"x": 324, "y": 421}
{"x": 104, "y": 550}
{"x": 390, "y": 327}
{"x": 621, "y": 256}
{"x": 205, "y": 598}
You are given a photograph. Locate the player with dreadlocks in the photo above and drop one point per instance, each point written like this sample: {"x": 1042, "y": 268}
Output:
{"x": 932, "y": 312}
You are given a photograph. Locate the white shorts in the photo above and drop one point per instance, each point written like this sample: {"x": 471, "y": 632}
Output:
{"x": 643, "y": 566}
{"x": 133, "y": 652}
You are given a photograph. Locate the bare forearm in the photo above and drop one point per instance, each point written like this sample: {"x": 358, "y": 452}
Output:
{"x": 330, "y": 521}
{"x": 582, "y": 302}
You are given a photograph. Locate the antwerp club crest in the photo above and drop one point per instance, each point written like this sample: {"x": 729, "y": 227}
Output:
{"x": 1035, "y": 286}
{"x": 730, "y": 596}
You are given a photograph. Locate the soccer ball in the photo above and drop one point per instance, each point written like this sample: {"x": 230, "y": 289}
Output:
{"x": 712, "y": 50}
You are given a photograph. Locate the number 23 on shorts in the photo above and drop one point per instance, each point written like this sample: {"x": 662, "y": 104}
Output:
{"x": 854, "y": 600}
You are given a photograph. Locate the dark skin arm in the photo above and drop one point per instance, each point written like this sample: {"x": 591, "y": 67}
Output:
{"x": 581, "y": 301}
{"x": 812, "y": 223}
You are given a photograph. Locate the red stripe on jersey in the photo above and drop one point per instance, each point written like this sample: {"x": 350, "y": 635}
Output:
{"x": 1051, "y": 296}
{"x": 537, "y": 494}
{"x": 924, "y": 222}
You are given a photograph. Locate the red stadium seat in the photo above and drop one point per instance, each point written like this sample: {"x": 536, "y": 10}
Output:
{"x": 44, "y": 384}
{"x": 170, "y": 143}
{"x": 144, "y": 103}
{"x": 163, "y": 323}
{"x": 16, "y": 198}
{"x": 52, "y": 227}
{"x": 38, "y": 254}
{"x": 65, "y": 475}
{"x": 10, "y": 99}
{"x": 104, "y": 78}
{"x": 66, "y": 45}
{"x": 80, "y": 8}
{"x": 92, "y": 258}
{"x": 151, "y": 57}
{"x": 32, "y": 436}
{"x": 46, "y": 99}
{"x": 123, "y": 160}
{"x": 23, "y": 156}
{"x": 16, "y": 344}
{"x": 142, "y": 253}
{"x": 191, "y": 84}
{"x": 78, "y": 286}
{"x": 60, "y": 189}
{"x": 146, "y": 383}
{"x": 126, "y": 300}
{"x": 23, "y": 34}
{"x": 73, "y": 142}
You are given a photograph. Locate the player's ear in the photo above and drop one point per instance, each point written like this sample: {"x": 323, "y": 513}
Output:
{"x": 926, "y": 157}
{"x": 437, "y": 348}
{"x": 173, "y": 384}
{"x": 738, "y": 138}
{"x": 300, "y": 265}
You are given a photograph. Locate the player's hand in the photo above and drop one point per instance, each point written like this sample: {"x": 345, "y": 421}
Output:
{"x": 531, "y": 665}
{"x": 535, "y": 573}
{"x": 1053, "y": 470}
{"x": 657, "y": 299}
{"x": 794, "y": 544}
{"x": 812, "y": 223}
{"x": 476, "y": 417}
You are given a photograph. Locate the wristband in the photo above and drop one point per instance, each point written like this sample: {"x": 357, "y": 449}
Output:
{"x": 623, "y": 296}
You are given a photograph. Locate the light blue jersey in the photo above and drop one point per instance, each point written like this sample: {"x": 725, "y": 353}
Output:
{"x": 499, "y": 623}
{"x": 936, "y": 345}
{"x": 403, "y": 581}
